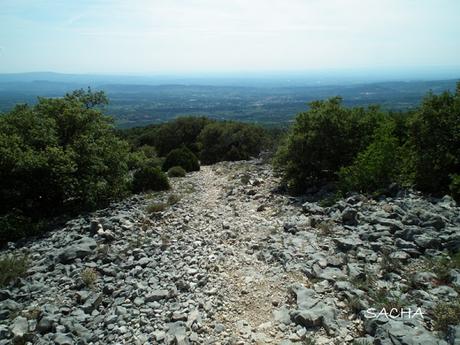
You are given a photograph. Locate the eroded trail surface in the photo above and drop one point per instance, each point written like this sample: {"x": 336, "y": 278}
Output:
{"x": 224, "y": 259}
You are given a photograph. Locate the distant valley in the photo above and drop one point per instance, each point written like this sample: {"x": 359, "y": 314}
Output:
{"x": 138, "y": 101}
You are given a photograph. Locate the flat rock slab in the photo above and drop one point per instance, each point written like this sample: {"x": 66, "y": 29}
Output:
{"x": 79, "y": 249}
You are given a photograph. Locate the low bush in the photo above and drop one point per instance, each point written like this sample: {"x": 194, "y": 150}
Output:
{"x": 445, "y": 314}
{"x": 89, "y": 276}
{"x": 176, "y": 171}
{"x": 149, "y": 178}
{"x": 454, "y": 186}
{"x": 143, "y": 156}
{"x": 182, "y": 157}
{"x": 12, "y": 268}
{"x": 156, "y": 207}
{"x": 173, "y": 199}
{"x": 15, "y": 224}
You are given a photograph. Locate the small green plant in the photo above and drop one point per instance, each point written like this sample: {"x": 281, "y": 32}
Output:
{"x": 330, "y": 200}
{"x": 245, "y": 179}
{"x": 176, "y": 171}
{"x": 354, "y": 304}
{"x": 309, "y": 341}
{"x": 366, "y": 282}
{"x": 145, "y": 223}
{"x": 137, "y": 242}
{"x": 33, "y": 313}
{"x": 326, "y": 228}
{"x": 89, "y": 276}
{"x": 362, "y": 342}
{"x": 12, "y": 267}
{"x": 165, "y": 241}
{"x": 442, "y": 266}
{"x": 173, "y": 199}
{"x": 103, "y": 250}
{"x": 384, "y": 299}
{"x": 156, "y": 207}
{"x": 189, "y": 189}
{"x": 389, "y": 264}
{"x": 445, "y": 314}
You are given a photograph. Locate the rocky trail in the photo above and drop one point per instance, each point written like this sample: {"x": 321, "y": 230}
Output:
{"x": 224, "y": 259}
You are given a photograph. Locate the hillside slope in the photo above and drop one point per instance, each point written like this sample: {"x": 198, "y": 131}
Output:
{"x": 233, "y": 262}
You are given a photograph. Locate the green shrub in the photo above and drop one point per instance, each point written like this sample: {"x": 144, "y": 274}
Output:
{"x": 454, "y": 186}
{"x": 176, "y": 171}
{"x": 434, "y": 138}
{"x": 156, "y": 207}
{"x": 15, "y": 224}
{"x": 142, "y": 156}
{"x": 173, "y": 199}
{"x": 376, "y": 167}
{"x": 58, "y": 156}
{"x": 182, "y": 157}
{"x": 149, "y": 178}
{"x": 12, "y": 268}
{"x": 445, "y": 314}
{"x": 89, "y": 276}
{"x": 322, "y": 140}
{"x": 230, "y": 141}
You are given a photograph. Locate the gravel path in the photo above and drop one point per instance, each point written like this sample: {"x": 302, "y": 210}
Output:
{"x": 230, "y": 262}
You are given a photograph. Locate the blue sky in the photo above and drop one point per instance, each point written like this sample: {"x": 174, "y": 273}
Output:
{"x": 169, "y": 36}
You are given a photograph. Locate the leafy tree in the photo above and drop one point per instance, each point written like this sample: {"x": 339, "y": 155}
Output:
{"x": 89, "y": 98}
{"x": 434, "y": 138}
{"x": 60, "y": 155}
{"x": 322, "y": 140}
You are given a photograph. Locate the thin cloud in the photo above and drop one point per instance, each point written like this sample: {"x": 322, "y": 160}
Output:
{"x": 235, "y": 34}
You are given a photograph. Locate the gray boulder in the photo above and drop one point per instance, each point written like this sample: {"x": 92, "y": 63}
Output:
{"x": 19, "y": 328}
{"x": 45, "y": 325}
{"x": 453, "y": 335}
{"x": 321, "y": 315}
{"x": 79, "y": 249}
{"x": 63, "y": 339}
{"x": 156, "y": 295}
{"x": 347, "y": 244}
{"x": 350, "y": 216}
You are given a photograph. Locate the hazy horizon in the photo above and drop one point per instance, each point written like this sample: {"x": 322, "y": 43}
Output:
{"x": 178, "y": 37}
